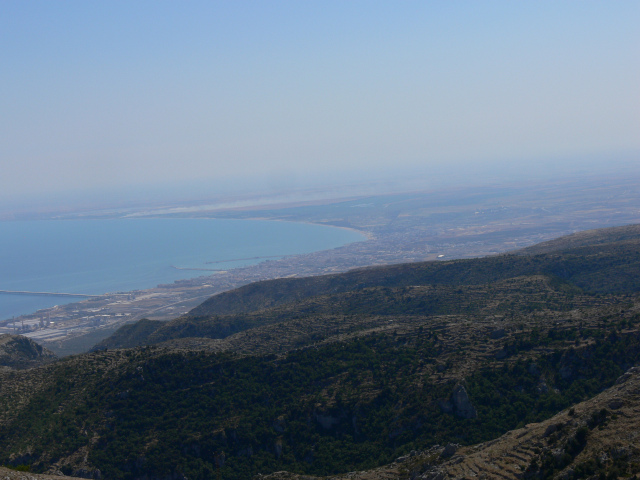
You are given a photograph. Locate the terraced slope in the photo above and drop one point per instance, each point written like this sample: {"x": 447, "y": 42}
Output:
{"x": 331, "y": 318}
{"x": 330, "y": 407}
{"x": 334, "y": 406}
{"x": 597, "y": 438}
{"x": 344, "y": 380}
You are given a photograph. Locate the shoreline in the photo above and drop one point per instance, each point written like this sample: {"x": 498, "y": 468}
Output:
{"x": 368, "y": 235}
{"x": 182, "y": 291}
{"x": 423, "y": 227}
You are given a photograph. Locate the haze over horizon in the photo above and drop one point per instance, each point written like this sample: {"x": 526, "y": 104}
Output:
{"x": 229, "y": 97}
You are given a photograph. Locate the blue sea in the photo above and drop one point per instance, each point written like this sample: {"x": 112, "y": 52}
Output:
{"x": 101, "y": 256}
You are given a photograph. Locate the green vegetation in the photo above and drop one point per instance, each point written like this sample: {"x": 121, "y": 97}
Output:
{"x": 609, "y": 465}
{"x": 339, "y": 373}
{"x": 335, "y": 408}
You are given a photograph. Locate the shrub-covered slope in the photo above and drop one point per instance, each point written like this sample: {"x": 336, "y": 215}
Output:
{"x": 616, "y": 252}
{"x": 592, "y": 439}
{"x": 334, "y": 407}
{"x": 132, "y": 334}
{"x": 430, "y": 288}
{"x": 375, "y": 306}
{"x": 587, "y": 238}
{"x": 17, "y": 351}
{"x": 336, "y": 381}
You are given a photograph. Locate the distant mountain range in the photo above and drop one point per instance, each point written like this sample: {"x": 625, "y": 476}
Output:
{"x": 426, "y": 370}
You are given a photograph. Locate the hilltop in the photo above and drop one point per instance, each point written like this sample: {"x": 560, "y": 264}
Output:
{"x": 333, "y": 374}
{"x": 627, "y": 234}
{"x": 17, "y": 351}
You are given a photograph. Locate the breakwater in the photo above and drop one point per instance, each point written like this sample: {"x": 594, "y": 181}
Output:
{"x": 48, "y": 294}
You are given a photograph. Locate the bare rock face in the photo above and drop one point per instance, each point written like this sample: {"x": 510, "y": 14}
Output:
{"x": 17, "y": 351}
{"x": 462, "y": 405}
{"x": 627, "y": 375}
{"x": 279, "y": 424}
{"x": 459, "y": 404}
{"x": 449, "y": 450}
{"x": 328, "y": 420}
{"x": 519, "y": 453}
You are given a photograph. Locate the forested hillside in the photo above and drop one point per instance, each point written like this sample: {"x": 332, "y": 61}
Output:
{"x": 334, "y": 374}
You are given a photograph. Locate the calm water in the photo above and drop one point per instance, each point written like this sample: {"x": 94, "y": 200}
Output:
{"x": 100, "y": 256}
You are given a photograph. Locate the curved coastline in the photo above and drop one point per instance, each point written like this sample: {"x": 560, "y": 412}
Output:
{"x": 206, "y": 275}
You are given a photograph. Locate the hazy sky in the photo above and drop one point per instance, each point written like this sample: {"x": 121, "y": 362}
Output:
{"x": 120, "y": 93}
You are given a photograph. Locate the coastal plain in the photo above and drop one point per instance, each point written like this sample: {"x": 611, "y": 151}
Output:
{"x": 400, "y": 228}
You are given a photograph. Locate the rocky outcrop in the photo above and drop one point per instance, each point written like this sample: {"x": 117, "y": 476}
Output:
{"x": 449, "y": 450}
{"x": 569, "y": 443}
{"x": 329, "y": 420}
{"x": 462, "y": 404}
{"x": 459, "y": 404}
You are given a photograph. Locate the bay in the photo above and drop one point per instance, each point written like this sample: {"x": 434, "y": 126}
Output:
{"x": 102, "y": 256}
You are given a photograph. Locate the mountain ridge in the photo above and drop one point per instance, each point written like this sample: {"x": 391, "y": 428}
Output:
{"x": 342, "y": 381}
{"x": 590, "y": 268}
{"x": 17, "y": 351}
